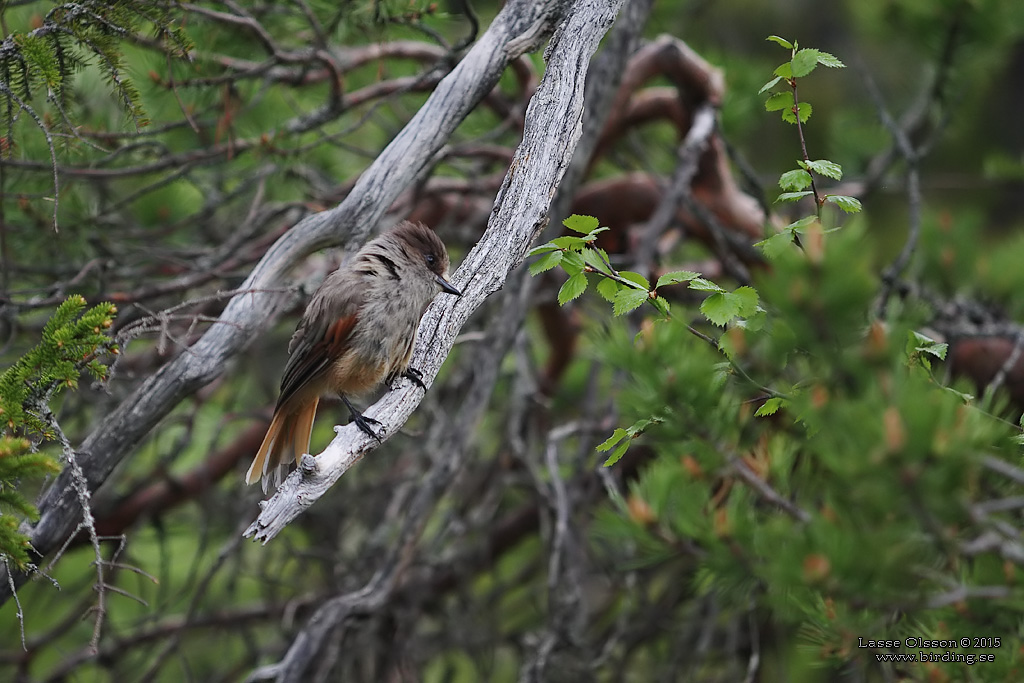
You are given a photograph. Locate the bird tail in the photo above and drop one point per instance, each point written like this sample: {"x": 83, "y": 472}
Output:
{"x": 286, "y": 440}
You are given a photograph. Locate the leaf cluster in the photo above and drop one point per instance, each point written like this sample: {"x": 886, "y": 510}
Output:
{"x": 799, "y": 183}
{"x": 72, "y": 342}
{"x": 801, "y": 63}
{"x": 17, "y": 462}
{"x": 840, "y": 487}
{"x": 71, "y": 36}
{"x": 627, "y": 290}
{"x": 874, "y": 467}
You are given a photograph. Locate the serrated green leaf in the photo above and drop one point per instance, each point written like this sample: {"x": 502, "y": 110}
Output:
{"x": 748, "y": 300}
{"x": 635, "y": 277}
{"x": 720, "y": 308}
{"x": 568, "y": 242}
{"x": 824, "y": 167}
{"x": 572, "y": 288}
{"x": 797, "y": 179}
{"x": 592, "y": 235}
{"x": 617, "y": 455}
{"x": 661, "y": 303}
{"x": 825, "y": 59}
{"x": 627, "y": 300}
{"x": 572, "y": 262}
{"x": 675, "y": 277}
{"x": 546, "y": 262}
{"x": 783, "y": 71}
{"x": 792, "y": 196}
{"x": 781, "y": 41}
{"x": 618, "y": 435}
{"x": 581, "y": 223}
{"x": 608, "y": 288}
{"x": 592, "y": 257}
{"x": 769, "y": 85}
{"x": 775, "y": 245}
{"x": 542, "y": 249}
{"x": 847, "y": 204}
{"x": 729, "y": 345}
{"x": 640, "y": 426}
{"x": 804, "y": 61}
{"x": 925, "y": 344}
{"x": 801, "y": 223}
{"x": 779, "y": 100}
{"x": 804, "y": 109}
{"x": 699, "y": 284}
{"x": 720, "y": 375}
{"x": 754, "y": 322}
{"x": 770, "y": 407}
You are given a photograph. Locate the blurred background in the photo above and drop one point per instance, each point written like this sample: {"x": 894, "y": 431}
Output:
{"x": 150, "y": 155}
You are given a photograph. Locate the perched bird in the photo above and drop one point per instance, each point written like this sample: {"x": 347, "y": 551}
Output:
{"x": 358, "y": 331}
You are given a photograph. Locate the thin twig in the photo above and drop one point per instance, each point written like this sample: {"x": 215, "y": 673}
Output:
{"x": 766, "y": 491}
{"x": 912, "y": 158}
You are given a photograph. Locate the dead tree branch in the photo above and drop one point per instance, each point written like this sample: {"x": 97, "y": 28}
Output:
{"x": 553, "y": 127}
{"x": 516, "y": 30}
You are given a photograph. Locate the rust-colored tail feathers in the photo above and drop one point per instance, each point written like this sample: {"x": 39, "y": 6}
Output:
{"x": 286, "y": 440}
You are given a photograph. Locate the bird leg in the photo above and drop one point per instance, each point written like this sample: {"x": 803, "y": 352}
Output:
{"x": 361, "y": 420}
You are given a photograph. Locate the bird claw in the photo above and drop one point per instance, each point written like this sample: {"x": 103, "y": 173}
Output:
{"x": 416, "y": 377}
{"x": 411, "y": 374}
{"x": 362, "y": 421}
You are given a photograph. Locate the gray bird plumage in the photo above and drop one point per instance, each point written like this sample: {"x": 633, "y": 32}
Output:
{"x": 358, "y": 330}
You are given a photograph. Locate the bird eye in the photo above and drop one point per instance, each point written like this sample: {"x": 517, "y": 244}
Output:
{"x": 430, "y": 259}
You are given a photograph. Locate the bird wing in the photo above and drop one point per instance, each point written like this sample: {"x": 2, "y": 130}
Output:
{"x": 322, "y": 336}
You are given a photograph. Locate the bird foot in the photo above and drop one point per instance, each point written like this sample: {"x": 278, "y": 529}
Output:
{"x": 362, "y": 421}
{"x": 412, "y": 374}
{"x": 416, "y": 377}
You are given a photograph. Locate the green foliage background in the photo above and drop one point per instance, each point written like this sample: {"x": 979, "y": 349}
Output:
{"x": 879, "y": 457}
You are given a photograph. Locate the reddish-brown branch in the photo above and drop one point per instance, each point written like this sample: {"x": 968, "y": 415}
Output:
{"x": 982, "y": 359}
{"x": 562, "y": 329}
{"x": 695, "y": 81}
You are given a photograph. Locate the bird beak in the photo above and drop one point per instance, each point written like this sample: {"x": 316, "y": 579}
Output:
{"x": 447, "y": 286}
